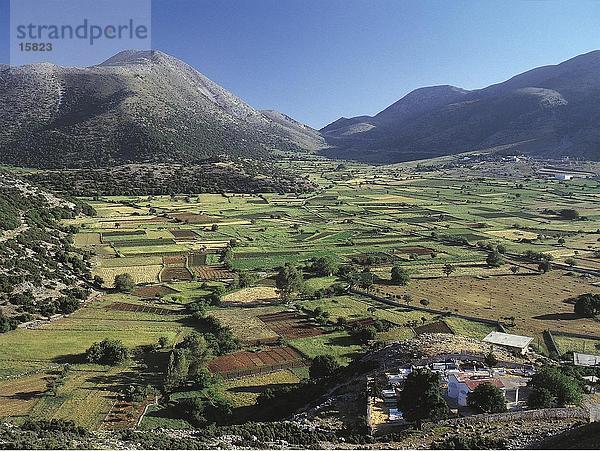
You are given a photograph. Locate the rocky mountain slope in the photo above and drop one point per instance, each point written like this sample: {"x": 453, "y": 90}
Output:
{"x": 41, "y": 273}
{"x": 138, "y": 106}
{"x": 549, "y": 111}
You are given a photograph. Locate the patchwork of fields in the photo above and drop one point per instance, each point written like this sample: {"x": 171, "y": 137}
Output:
{"x": 180, "y": 248}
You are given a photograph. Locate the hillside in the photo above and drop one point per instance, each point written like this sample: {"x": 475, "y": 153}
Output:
{"x": 550, "y": 111}
{"x": 41, "y": 273}
{"x": 138, "y": 106}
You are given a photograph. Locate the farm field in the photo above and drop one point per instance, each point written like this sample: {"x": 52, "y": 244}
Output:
{"x": 181, "y": 249}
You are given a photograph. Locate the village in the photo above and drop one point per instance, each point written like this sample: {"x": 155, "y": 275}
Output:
{"x": 462, "y": 373}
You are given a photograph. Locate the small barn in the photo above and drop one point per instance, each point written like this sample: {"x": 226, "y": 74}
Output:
{"x": 518, "y": 344}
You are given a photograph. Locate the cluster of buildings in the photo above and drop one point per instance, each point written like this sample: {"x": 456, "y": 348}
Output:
{"x": 462, "y": 374}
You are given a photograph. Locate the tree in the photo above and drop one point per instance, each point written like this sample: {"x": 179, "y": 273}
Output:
{"x": 544, "y": 266}
{"x": 424, "y": 302}
{"x": 6, "y": 324}
{"x": 177, "y": 369}
{"x": 541, "y": 398}
{"x": 325, "y": 266}
{"x": 247, "y": 279}
{"x": 514, "y": 269}
{"x": 107, "y": 352}
{"x": 124, "y": 283}
{"x": 289, "y": 280}
{"x": 400, "y": 276}
{"x": 364, "y": 334}
{"x": 494, "y": 259}
{"x": 98, "y": 281}
{"x": 422, "y": 397}
{"x": 487, "y": 398}
{"x": 562, "y": 388}
{"x": 366, "y": 279}
{"x": 323, "y": 366}
{"x": 204, "y": 411}
{"x": 490, "y": 360}
{"x": 587, "y": 305}
{"x": 448, "y": 269}
{"x": 569, "y": 214}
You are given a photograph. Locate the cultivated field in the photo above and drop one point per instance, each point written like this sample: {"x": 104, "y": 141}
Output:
{"x": 181, "y": 248}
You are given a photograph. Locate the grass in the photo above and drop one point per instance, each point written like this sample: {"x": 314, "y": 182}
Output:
{"x": 468, "y": 328}
{"x": 244, "y": 392}
{"x": 337, "y": 344}
{"x": 359, "y": 209}
{"x": 572, "y": 344}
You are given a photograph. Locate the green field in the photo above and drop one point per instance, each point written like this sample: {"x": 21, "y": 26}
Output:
{"x": 420, "y": 220}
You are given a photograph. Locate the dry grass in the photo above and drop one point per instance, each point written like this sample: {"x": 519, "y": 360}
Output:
{"x": 19, "y": 396}
{"x": 536, "y": 301}
{"x": 140, "y": 274}
{"x": 250, "y": 295}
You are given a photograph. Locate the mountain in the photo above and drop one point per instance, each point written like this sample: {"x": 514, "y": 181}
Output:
{"x": 549, "y": 111}
{"x": 138, "y": 106}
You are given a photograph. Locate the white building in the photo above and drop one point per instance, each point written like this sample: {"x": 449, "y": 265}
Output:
{"x": 562, "y": 176}
{"x": 461, "y": 384}
{"x": 580, "y": 359}
{"x": 515, "y": 343}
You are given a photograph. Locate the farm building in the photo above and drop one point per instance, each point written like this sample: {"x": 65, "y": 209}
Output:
{"x": 562, "y": 176}
{"x": 580, "y": 359}
{"x": 461, "y": 384}
{"x": 515, "y": 343}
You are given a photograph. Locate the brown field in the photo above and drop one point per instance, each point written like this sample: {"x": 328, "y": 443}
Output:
{"x": 245, "y": 324}
{"x": 140, "y": 274}
{"x": 439, "y": 327}
{"x": 18, "y": 396}
{"x": 154, "y": 291}
{"x": 171, "y": 274}
{"x": 184, "y": 235}
{"x": 86, "y": 239}
{"x": 125, "y": 307}
{"x": 174, "y": 260}
{"x": 196, "y": 259}
{"x": 290, "y": 325}
{"x": 206, "y": 272}
{"x": 194, "y": 218}
{"x": 245, "y": 362}
{"x": 536, "y": 301}
{"x": 417, "y": 250}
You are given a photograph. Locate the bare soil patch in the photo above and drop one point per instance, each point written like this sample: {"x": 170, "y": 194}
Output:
{"x": 137, "y": 308}
{"x": 291, "y": 325}
{"x": 171, "y": 274}
{"x": 206, "y": 272}
{"x": 247, "y": 363}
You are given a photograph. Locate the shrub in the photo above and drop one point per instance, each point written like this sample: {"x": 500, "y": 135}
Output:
{"x": 323, "y": 366}
{"x": 107, "y": 352}
{"x": 587, "y": 305}
{"x": 124, "y": 283}
{"x": 487, "y": 398}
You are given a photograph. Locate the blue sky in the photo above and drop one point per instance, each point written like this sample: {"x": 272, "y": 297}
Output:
{"x": 317, "y": 60}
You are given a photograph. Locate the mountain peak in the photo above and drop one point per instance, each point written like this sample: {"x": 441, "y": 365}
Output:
{"x": 137, "y": 106}
{"x": 550, "y": 111}
{"x": 134, "y": 56}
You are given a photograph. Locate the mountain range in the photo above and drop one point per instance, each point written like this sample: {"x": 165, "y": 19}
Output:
{"x": 550, "y": 111}
{"x": 146, "y": 106}
{"x": 138, "y": 106}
